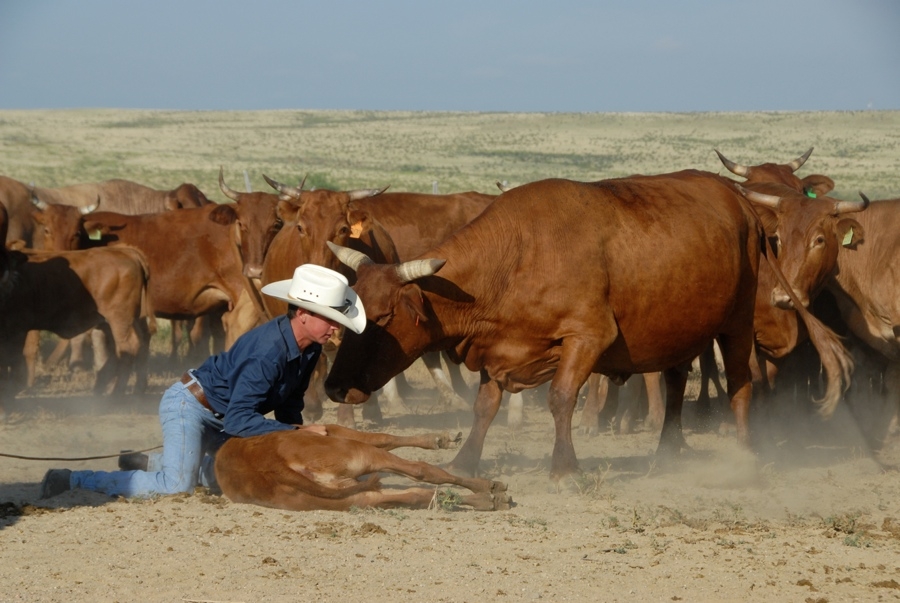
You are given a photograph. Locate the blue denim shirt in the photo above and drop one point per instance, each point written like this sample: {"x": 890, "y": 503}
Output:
{"x": 263, "y": 371}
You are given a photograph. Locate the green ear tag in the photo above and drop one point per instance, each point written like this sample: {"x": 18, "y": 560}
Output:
{"x": 95, "y": 235}
{"x": 811, "y": 193}
{"x": 848, "y": 238}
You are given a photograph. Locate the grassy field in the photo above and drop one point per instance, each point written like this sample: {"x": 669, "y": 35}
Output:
{"x": 459, "y": 151}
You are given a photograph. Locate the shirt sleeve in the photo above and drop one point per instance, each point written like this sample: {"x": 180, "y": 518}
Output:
{"x": 250, "y": 391}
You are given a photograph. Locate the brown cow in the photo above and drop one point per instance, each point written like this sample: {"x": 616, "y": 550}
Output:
{"x": 120, "y": 196}
{"x": 123, "y": 196}
{"x": 311, "y": 218}
{"x": 416, "y": 222}
{"x": 302, "y": 471}
{"x": 192, "y": 255}
{"x": 777, "y": 332}
{"x": 805, "y": 227}
{"x": 854, "y": 258}
{"x": 16, "y": 198}
{"x": 70, "y": 292}
{"x": 558, "y": 279}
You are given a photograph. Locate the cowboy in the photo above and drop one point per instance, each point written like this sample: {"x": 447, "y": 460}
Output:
{"x": 266, "y": 370}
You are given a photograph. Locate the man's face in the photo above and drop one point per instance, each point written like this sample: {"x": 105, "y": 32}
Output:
{"x": 319, "y": 328}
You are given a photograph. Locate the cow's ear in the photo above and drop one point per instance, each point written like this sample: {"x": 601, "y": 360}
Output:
{"x": 287, "y": 211}
{"x": 768, "y": 218}
{"x": 850, "y": 233}
{"x": 817, "y": 184}
{"x": 172, "y": 204}
{"x": 360, "y": 222}
{"x": 411, "y": 300}
{"x": 223, "y": 214}
{"x": 93, "y": 226}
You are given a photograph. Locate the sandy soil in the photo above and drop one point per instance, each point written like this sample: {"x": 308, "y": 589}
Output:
{"x": 809, "y": 517}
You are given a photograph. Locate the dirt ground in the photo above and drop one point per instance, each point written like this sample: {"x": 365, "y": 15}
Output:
{"x": 810, "y": 516}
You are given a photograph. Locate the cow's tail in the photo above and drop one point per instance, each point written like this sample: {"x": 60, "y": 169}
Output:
{"x": 147, "y": 311}
{"x": 835, "y": 358}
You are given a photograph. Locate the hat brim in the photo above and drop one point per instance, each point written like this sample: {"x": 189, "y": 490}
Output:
{"x": 354, "y": 319}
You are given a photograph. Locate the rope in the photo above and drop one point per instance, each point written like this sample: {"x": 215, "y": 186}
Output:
{"x": 80, "y": 458}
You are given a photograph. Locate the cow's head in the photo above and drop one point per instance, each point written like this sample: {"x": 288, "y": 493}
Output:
{"x": 58, "y": 226}
{"x": 256, "y": 222}
{"x": 400, "y": 325}
{"x": 808, "y": 233}
{"x": 321, "y": 216}
{"x": 185, "y": 196}
{"x": 783, "y": 173}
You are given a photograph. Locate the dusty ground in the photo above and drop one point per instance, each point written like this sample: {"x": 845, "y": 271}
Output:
{"x": 811, "y": 517}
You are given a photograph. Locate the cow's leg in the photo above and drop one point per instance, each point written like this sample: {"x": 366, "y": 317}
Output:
{"x": 141, "y": 363}
{"x": 391, "y": 394}
{"x": 575, "y": 366}
{"x": 595, "y": 401}
{"x": 656, "y": 412}
{"x": 515, "y": 411}
{"x": 428, "y": 441}
{"x": 487, "y": 404}
{"x": 448, "y": 396}
{"x": 460, "y": 386}
{"x": 630, "y": 401}
{"x": 100, "y": 344}
{"x": 346, "y": 416}
{"x": 671, "y": 438}
{"x": 366, "y": 459}
{"x": 109, "y": 371}
{"x": 736, "y": 358}
{"x": 30, "y": 352}
{"x": 62, "y": 346}
{"x": 315, "y": 393}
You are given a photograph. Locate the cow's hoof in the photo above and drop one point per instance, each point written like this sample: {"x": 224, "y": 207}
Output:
{"x": 502, "y": 502}
{"x": 498, "y": 487}
{"x": 445, "y": 440}
{"x": 454, "y": 401}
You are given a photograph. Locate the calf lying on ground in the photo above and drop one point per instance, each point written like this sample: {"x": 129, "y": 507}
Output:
{"x": 303, "y": 471}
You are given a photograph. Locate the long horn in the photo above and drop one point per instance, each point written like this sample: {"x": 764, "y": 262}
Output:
{"x": 366, "y": 192}
{"x": 796, "y": 163}
{"x": 843, "y": 207}
{"x": 89, "y": 208}
{"x": 734, "y": 168}
{"x": 39, "y": 203}
{"x": 414, "y": 269}
{"x": 352, "y": 258}
{"x": 284, "y": 189}
{"x": 772, "y": 201}
{"x": 228, "y": 192}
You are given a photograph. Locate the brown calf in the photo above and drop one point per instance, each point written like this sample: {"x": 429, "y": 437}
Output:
{"x": 299, "y": 470}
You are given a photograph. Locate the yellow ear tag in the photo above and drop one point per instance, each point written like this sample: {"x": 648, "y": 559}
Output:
{"x": 95, "y": 235}
{"x": 356, "y": 230}
{"x": 848, "y": 238}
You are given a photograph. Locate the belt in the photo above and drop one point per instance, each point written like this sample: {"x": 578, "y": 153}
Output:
{"x": 194, "y": 387}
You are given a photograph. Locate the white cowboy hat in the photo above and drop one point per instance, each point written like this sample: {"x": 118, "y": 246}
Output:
{"x": 323, "y": 292}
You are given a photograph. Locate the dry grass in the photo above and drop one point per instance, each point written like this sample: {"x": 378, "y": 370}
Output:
{"x": 410, "y": 150}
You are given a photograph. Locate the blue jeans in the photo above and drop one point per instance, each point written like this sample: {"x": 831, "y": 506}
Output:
{"x": 189, "y": 431}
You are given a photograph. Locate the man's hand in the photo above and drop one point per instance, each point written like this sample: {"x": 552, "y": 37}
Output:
{"x": 317, "y": 429}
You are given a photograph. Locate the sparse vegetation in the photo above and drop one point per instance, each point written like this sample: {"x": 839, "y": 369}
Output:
{"x": 411, "y": 150}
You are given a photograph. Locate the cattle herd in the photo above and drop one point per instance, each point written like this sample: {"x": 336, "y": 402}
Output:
{"x": 554, "y": 281}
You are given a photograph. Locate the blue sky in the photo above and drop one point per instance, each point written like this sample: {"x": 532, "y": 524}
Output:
{"x": 559, "y": 56}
